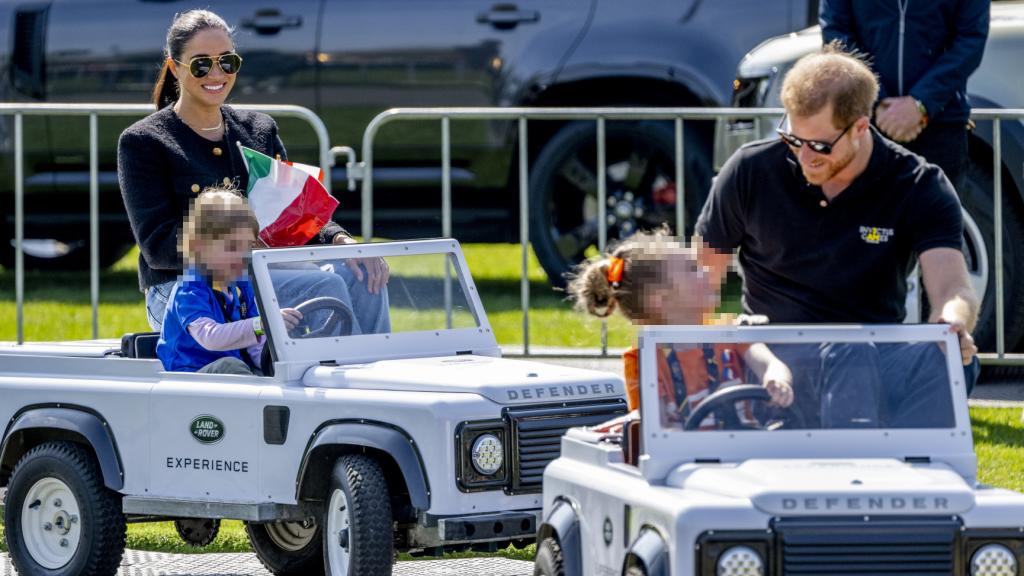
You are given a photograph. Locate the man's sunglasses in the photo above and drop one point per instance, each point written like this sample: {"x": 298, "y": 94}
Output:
{"x": 200, "y": 66}
{"x": 815, "y": 145}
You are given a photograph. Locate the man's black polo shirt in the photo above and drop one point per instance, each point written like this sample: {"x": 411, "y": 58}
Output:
{"x": 805, "y": 259}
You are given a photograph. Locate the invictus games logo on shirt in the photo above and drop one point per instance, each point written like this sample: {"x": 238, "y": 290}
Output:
{"x": 875, "y": 235}
{"x": 207, "y": 429}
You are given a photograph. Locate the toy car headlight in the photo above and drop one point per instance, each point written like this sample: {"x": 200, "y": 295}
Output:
{"x": 480, "y": 455}
{"x": 740, "y": 561}
{"x": 487, "y": 454}
{"x": 993, "y": 560}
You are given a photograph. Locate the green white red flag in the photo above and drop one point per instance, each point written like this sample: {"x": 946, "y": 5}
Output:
{"x": 288, "y": 199}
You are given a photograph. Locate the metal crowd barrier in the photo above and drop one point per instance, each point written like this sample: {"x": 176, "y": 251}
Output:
{"x": 599, "y": 116}
{"x": 364, "y": 171}
{"x": 94, "y": 111}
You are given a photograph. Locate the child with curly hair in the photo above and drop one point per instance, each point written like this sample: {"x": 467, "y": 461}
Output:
{"x": 651, "y": 279}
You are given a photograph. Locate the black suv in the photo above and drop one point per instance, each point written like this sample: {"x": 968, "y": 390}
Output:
{"x": 350, "y": 59}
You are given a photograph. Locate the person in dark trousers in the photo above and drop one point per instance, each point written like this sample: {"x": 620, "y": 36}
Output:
{"x": 923, "y": 51}
{"x": 828, "y": 219}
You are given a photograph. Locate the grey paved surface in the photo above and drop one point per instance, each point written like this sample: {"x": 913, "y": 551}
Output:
{"x": 137, "y": 563}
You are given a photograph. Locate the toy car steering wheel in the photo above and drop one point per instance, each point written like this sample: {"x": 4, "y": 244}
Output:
{"x": 722, "y": 405}
{"x": 339, "y": 323}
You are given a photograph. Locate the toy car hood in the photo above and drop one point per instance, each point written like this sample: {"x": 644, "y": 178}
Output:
{"x": 833, "y": 487}
{"x": 501, "y": 380}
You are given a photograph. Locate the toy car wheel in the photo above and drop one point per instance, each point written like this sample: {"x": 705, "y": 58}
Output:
{"x": 60, "y": 518}
{"x": 357, "y": 520}
{"x": 197, "y": 532}
{"x": 548, "y": 561}
{"x": 288, "y": 548}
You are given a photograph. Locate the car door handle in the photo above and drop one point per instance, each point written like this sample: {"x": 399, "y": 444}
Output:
{"x": 270, "y": 22}
{"x": 507, "y": 16}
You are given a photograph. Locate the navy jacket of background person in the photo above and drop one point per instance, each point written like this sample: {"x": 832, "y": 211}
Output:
{"x": 941, "y": 45}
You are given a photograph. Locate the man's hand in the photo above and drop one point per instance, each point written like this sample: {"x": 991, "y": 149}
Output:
{"x": 291, "y": 316}
{"x": 955, "y": 313}
{"x": 377, "y": 271}
{"x": 778, "y": 381}
{"x": 899, "y": 118}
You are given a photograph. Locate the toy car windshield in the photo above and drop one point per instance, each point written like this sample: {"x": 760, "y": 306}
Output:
{"x": 423, "y": 293}
{"x": 714, "y": 380}
{"x": 429, "y": 304}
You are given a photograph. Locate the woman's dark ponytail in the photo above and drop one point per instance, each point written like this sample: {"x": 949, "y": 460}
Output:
{"x": 165, "y": 92}
{"x": 185, "y": 26}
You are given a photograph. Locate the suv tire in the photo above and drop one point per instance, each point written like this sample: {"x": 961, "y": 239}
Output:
{"x": 549, "y": 561}
{"x": 359, "y": 540}
{"x": 640, "y": 178}
{"x": 979, "y": 227}
{"x": 60, "y": 518}
{"x": 288, "y": 548}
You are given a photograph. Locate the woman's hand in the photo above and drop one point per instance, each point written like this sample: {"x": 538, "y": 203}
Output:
{"x": 377, "y": 271}
{"x": 291, "y": 316}
{"x": 778, "y": 381}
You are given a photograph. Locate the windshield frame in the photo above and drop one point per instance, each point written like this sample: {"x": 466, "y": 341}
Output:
{"x": 369, "y": 347}
{"x": 663, "y": 449}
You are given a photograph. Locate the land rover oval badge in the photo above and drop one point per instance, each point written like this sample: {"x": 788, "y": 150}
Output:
{"x": 207, "y": 429}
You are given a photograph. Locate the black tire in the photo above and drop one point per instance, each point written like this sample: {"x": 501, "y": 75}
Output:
{"x": 357, "y": 505}
{"x": 635, "y": 570}
{"x": 287, "y": 548}
{"x": 548, "y": 561}
{"x": 977, "y": 202}
{"x": 197, "y": 532}
{"x": 82, "y": 515}
{"x": 563, "y": 187}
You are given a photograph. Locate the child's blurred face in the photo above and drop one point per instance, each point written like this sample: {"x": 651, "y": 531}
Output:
{"x": 685, "y": 296}
{"x": 226, "y": 258}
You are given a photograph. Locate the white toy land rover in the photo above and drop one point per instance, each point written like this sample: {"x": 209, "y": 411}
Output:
{"x": 729, "y": 485}
{"x": 356, "y": 447}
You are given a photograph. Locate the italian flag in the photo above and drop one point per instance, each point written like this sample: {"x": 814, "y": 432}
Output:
{"x": 288, "y": 199}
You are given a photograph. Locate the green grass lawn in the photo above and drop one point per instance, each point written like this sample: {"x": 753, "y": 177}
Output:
{"x": 57, "y": 303}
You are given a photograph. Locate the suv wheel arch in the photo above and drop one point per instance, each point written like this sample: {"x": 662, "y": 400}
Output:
{"x": 390, "y": 446}
{"x": 36, "y": 425}
{"x": 648, "y": 551}
{"x": 563, "y": 525}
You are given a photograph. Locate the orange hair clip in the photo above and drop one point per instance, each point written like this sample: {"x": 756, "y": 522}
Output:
{"x": 614, "y": 273}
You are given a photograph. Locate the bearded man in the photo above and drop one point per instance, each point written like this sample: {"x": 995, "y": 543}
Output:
{"x": 829, "y": 219}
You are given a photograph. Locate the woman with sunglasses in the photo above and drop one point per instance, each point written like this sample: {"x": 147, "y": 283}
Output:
{"x": 188, "y": 144}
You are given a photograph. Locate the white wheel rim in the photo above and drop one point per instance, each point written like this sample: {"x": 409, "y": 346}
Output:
{"x": 338, "y": 523}
{"x": 976, "y": 255}
{"x": 291, "y": 536}
{"x": 51, "y": 523}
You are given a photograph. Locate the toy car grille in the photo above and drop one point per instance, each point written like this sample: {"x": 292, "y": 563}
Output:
{"x": 537, "y": 436}
{"x": 868, "y": 546}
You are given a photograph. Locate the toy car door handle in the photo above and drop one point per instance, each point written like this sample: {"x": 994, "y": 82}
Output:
{"x": 507, "y": 16}
{"x": 271, "y": 21}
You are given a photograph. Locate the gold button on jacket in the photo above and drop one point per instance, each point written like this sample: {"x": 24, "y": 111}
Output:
{"x": 217, "y": 151}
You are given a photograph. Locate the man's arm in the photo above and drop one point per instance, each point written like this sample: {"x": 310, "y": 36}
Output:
{"x": 949, "y": 289}
{"x": 950, "y": 72}
{"x": 836, "y": 19}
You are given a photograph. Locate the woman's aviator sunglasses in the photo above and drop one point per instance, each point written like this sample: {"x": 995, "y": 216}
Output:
{"x": 815, "y": 145}
{"x": 200, "y": 66}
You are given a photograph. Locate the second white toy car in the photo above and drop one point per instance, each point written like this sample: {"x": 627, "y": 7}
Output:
{"x": 876, "y": 475}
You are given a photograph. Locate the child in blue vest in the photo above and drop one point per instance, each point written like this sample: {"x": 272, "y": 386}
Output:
{"x": 212, "y": 323}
